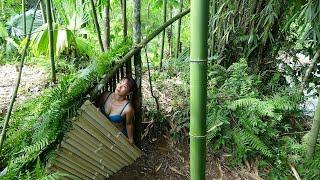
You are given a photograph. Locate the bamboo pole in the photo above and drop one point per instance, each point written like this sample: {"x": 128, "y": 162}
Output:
{"x": 179, "y": 30}
{"x": 43, "y": 11}
{"x": 14, "y": 94}
{"x": 51, "y": 41}
{"x": 127, "y": 57}
{"x": 24, "y": 18}
{"x": 124, "y": 19}
{"x": 96, "y": 24}
{"x": 103, "y": 122}
{"x": 164, "y": 31}
{"x": 79, "y": 152}
{"x": 198, "y": 87}
{"x": 108, "y": 147}
{"x": 314, "y": 132}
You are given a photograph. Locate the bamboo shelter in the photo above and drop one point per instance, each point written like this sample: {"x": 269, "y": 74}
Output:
{"x": 94, "y": 148}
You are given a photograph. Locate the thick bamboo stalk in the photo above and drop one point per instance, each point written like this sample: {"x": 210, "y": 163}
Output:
{"x": 96, "y": 24}
{"x": 124, "y": 18}
{"x": 51, "y": 41}
{"x": 81, "y": 162}
{"x": 127, "y": 58}
{"x": 314, "y": 132}
{"x": 103, "y": 133}
{"x": 14, "y": 94}
{"x": 43, "y": 11}
{"x": 110, "y": 164}
{"x": 79, "y": 152}
{"x": 198, "y": 87}
{"x": 89, "y": 151}
{"x": 24, "y": 18}
{"x": 103, "y": 122}
{"x": 179, "y": 30}
{"x": 118, "y": 162}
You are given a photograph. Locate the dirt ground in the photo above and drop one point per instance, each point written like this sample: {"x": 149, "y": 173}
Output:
{"x": 161, "y": 161}
{"x": 32, "y": 81}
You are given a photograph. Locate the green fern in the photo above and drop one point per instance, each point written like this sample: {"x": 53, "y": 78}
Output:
{"x": 58, "y": 175}
{"x": 254, "y": 141}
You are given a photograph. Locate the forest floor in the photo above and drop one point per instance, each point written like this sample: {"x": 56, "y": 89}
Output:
{"x": 33, "y": 80}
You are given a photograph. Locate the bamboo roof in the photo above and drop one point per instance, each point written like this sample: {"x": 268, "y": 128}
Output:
{"x": 94, "y": 148}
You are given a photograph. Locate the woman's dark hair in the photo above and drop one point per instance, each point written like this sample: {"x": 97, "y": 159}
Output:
{"x": 133, "y": 88}
{"x": 132, "y": 84}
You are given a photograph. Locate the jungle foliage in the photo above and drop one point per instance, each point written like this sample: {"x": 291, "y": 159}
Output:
{"x": 254, "y": 116}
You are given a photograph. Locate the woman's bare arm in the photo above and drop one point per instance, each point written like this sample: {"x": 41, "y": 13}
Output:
{"x": 129, "y": 122}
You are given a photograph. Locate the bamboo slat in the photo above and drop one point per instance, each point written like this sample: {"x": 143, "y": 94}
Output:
{"x": 94, "y": 148}
{"x": 75, "y": 166}
{"x": 108, "y": 157}
{"x": 107, "y": 161}
{"x": 90, "y": 109}
{"x": 103, "y": 133}
{"x": 80, "y": 162}
{"x": 102, "y": 148}
{"x": 89, "y": 152}
{"x": 90, "y": 161}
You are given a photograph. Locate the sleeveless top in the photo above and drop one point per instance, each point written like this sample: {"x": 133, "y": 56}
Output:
{"x": 113, "y": 118}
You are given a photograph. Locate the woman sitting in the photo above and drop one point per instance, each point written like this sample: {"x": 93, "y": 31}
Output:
{"x": 116, "y": 107}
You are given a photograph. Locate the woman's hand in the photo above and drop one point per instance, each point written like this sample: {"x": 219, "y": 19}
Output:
{"x": 131, "y": 140}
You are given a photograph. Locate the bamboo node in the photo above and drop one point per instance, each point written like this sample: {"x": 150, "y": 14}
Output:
{"x": 197, "y": 136}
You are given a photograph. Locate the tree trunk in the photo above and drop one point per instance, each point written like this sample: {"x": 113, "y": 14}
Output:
{"x": 314, "y": 132}
{"x": 96, "y": 24}
{"x": 24, "y": 18}
{"x": 14, "y": 94}
{"x": 170, "y": 35}
{"x": 124, "y": 18}
{"x": 198, "y": 87}
{"x": 43, "y": 11}
{"x": 138, "y": 72}
{"x": 51, "y": 47}
{"x": 107, "y": 26}
{"x": 164, "y": 32}
{"x": 179, "y": 30}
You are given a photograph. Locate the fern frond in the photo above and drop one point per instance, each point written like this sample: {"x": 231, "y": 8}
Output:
{"x": 254, "y": 141}
{"x": 58, "y": 175}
